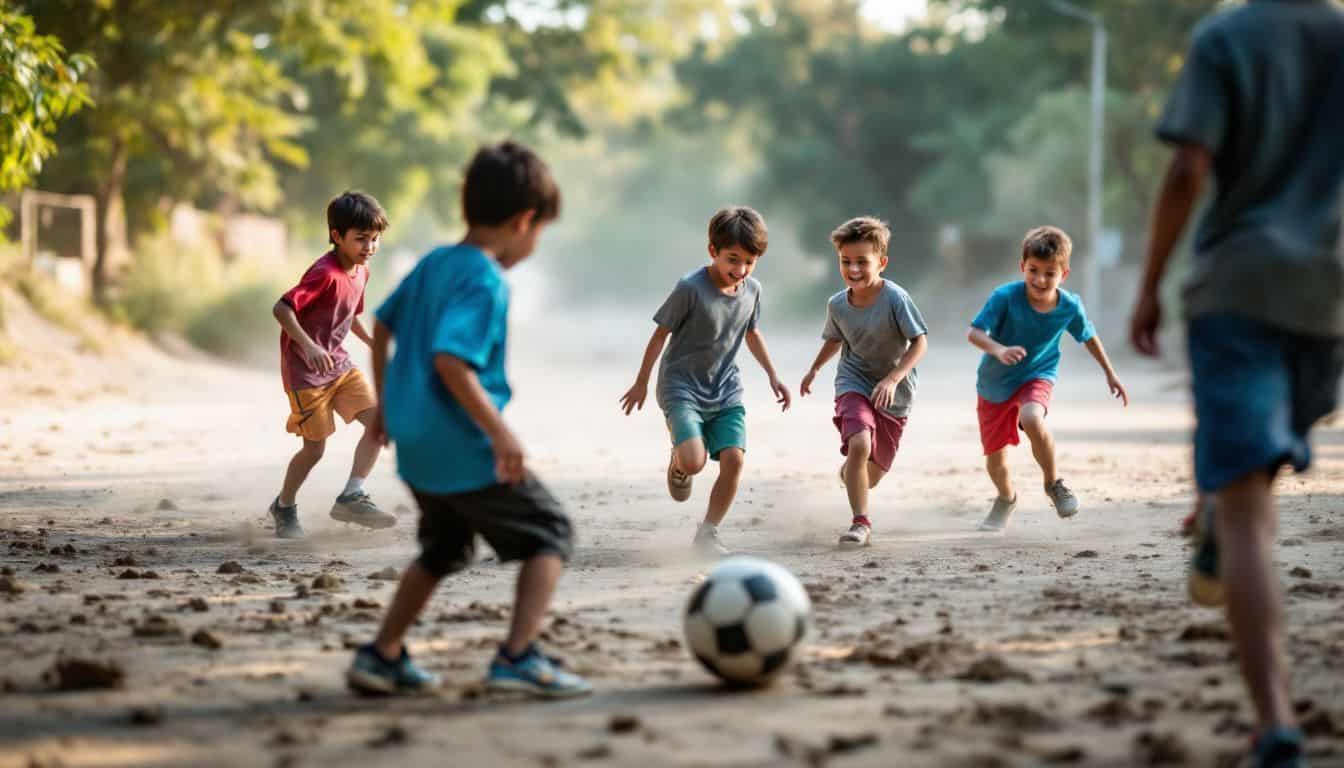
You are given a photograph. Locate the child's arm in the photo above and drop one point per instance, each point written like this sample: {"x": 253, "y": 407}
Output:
{"x": 756, "y": 343}
{"x": 315, "y": 356}
{"x": 382, "y": 339}
{"x": 1112, "y": 380}
{"x": 362, "y": 333}
{"x": 885, "y": 391}
{"x": 1006, "y": 355}
{"x": 829, "y": 348}
{"x": 465, "y": 386}
{"x": 635, "y": 396}
{"x": 1176, "y": 199}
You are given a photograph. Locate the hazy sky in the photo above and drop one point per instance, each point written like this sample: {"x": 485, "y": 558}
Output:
{"x": 894, "y": 14}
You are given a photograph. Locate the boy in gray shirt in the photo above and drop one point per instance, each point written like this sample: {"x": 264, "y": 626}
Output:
{"x": 1260, "y": 105}
{"x": 880, "y": 335}
{"x": 710, "y": 313}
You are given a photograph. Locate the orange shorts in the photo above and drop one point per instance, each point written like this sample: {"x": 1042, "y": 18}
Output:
{"x": 312, "y": 412}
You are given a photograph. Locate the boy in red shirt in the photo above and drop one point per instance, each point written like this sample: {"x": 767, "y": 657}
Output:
{"x": 319, "y": 376}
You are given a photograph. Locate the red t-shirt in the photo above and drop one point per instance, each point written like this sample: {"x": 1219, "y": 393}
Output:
{"x": 326, "y": 301}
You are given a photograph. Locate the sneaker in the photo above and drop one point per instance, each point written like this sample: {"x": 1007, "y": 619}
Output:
{"x": 359, "y": 509}
{"x": 286, "y": 520}
{"x": 1204, "y": 582}
{"x": 1066, "y": 504}
{"x": 370, "y": 673}
{"x": 997, "y": 519}
{"x": 1279, "y": 748}
{"x": 707, "y": 542}
{"x": 678, "y": 482}
{"x": 536, "y": 674}
{"x": 859, "y": 535}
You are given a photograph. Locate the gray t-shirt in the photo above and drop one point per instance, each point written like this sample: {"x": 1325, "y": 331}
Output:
{"x": 872, "y": 339}
{"x": 1263, "y": 91}
{"x": 699, "y": 366}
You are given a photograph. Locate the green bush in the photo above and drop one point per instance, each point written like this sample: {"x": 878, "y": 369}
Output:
{"x": 167, "y": 285}
{"x": 237, "y": 323}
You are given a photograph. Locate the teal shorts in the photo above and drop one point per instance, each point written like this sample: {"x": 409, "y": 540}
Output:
{"x": 719, "y": 429}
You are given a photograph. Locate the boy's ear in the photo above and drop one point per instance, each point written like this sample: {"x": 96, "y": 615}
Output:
{"x": 524, "y": 220}
{"x": 712, "y": 250}
{"x": 335, "y": 235}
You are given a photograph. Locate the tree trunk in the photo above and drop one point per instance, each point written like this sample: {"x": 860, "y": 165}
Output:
{"x": 111, "y": 242}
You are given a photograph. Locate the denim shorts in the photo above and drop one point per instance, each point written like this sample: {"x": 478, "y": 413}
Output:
{"x": 719, "y": 429}
{"x": 1257, "y": 391}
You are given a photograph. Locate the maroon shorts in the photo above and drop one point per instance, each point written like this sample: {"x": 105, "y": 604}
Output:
{"x": 999, "y": 421}
{"x": 855, "y": 413}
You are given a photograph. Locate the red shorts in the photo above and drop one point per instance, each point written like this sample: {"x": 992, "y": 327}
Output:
{"x": 855, "y": 413}
{"x": 999, "y": 421}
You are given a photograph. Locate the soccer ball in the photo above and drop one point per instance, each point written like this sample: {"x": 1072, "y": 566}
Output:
{"x": 746, "y": 620}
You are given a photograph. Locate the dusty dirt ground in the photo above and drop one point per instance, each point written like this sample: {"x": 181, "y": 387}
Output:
{"x": 134, "y": 535}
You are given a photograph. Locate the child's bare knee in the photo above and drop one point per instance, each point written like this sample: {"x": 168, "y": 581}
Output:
{"x": 860, "y": 445}
{"x": 731, "y": 459}
{"x": 313, "y": 449}
{"x": 691, "y": 458}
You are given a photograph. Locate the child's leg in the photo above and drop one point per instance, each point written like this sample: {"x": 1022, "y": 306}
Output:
{"x": 1245, "y": 529}
{"x": 721, "y": 495}
{"x": 1032, "y": 418}
{"x": 532, "y": 596}
{"x": 416, "y": 586}
{"x": 298, "y": 469}
{"x": 689, "y": 456}
{"x": 857, "y": 472}
{"x": 366, "y": 453}
{"x": 996, "y": 464}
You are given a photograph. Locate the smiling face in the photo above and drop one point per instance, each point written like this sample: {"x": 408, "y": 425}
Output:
{"x": 731, "y": 265}
{"x": 861, "y": 264}
{"x": 1043, "y": 277}
{"x": 356, "y": 246}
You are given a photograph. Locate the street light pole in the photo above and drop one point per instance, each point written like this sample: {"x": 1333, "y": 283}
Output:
{"x": 1092, "y": 274}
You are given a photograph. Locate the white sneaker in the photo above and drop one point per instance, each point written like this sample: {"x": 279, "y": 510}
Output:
{"x": 857, "y": 537}
{"x": 707, "y": 543}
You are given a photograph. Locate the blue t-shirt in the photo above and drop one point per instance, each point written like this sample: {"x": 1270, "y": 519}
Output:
{"x": 1009, "y": 319}
{"x": 454, "y": 302}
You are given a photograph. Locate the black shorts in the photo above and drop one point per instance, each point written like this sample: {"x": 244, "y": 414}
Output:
{"x": 517, "y": 521}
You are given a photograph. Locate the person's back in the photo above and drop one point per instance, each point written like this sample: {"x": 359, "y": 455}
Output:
{"x": 1264, "y": 92}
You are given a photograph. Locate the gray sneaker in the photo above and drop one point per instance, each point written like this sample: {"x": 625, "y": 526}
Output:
{"x": 359, "y": 509}
{"x": 286, "y": 520}
{"x": 998, "y": 516}
{"x": 707, "y": 542}
{"x": 857, "y": 537}
{"x": 1066, "y": 504}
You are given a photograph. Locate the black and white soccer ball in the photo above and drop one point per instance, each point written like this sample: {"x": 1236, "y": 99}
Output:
{"x": 746, "y": 621}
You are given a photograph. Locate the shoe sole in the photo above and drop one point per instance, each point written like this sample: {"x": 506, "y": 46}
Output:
{"x": 364, "y": 520}
{"x": 521, "y": 686}
{"x": 373, "y": 685}
{"x": 1066, "y": 514}
{"x": 849, "y": 546}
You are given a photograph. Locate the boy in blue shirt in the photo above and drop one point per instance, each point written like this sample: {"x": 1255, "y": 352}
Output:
{"x": 1019, "y": 330}
{"x": 1259, "y": 104}
{"x": 440, "y": 400}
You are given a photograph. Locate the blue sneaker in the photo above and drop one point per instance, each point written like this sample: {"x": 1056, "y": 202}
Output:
{"x": 1204, "y": 582}
{"x": 372, "y": 674}
{"x": 1279, "y": 748}
{"x": 536, "y": 674}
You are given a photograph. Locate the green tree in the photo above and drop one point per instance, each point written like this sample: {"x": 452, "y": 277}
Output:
{"x": 40, "y": 85}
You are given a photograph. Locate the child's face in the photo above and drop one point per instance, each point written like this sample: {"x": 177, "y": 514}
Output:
{"x": 1043, "y": 276}
{"x": 860, "y": 264}
{"x": 732, "y": 265}
{"x": 356, "y": 246}
{"x": 525, "y": 231}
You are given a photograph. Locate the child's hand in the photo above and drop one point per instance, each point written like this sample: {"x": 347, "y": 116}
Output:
{"x": 1118, "y": 389}
{"x": 317, "y": 358}
{"x": 805, "y": 388}
{"x": 1010, "y": 355}
{"x": 508, "y": 458}
{"x": 634, "y": 397}
{"x": 884, "y": 394}
{"x": 782, "y": 395}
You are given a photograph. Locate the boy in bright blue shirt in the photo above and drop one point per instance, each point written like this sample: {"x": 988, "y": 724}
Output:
{"x": 1019, "y": 330}
{"x": 440, "y": 400}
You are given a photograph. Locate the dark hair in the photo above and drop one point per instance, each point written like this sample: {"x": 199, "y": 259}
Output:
{"x": 1047, "y": 243}
{"x": 864, "y": 229}
{"x": 504, "y": 180}
{"x": 353, "y": 209}
{"x": 741, "y": 227}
